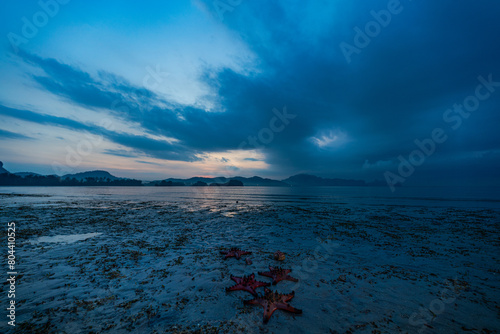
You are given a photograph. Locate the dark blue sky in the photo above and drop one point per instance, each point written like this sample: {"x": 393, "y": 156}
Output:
{"x": 351, "y": 89}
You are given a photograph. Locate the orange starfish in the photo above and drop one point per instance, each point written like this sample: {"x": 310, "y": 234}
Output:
{"x": 246, "y": 283}
{"x": 278, "y": 274}
{"x": 272, "y": 301}
{"x": 234, "y": 252}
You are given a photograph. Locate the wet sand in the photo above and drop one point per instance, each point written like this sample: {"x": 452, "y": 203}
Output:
{"x": 121, "y": 266}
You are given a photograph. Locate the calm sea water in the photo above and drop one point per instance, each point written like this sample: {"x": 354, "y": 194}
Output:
{"x": 474, "y": 197}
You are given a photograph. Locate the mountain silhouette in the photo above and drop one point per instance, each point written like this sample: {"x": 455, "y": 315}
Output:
{"x": 104, "y": 178}
{"x": 98, "y": 174}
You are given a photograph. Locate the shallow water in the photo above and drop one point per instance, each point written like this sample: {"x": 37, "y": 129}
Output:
{"x": 480, "y": 197}
{"x": 67, "y": 238}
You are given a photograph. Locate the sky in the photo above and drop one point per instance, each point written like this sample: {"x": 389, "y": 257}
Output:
{"x": 402, "y": 91}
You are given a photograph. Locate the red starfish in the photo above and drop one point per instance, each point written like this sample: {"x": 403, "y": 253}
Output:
{"x": 246, "y": 283}
{"x": 278, "y": 274}
{"x": 234, "y": 252}
{"x": 272, "y": 301}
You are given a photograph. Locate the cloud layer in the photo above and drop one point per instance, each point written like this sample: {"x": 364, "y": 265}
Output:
{"x": 354, "y": 117}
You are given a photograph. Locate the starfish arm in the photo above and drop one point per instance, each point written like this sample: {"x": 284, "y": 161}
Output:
{"x": 288, "y": 297}
{"x": 258, "y": 284}
{"x": 286, "y": 307}
{"x": 233, "y": 288}
{"x": 251, "y": 302}
{"x": 290, "y": 278}
{"x": 268, "y": 312}
{"x": 265, "y": 273}
{"x": 238, "y": 286}
{"x": 250, "y": 290}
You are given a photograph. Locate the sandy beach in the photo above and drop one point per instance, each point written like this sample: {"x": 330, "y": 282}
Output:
{"x": 99, "y": 265}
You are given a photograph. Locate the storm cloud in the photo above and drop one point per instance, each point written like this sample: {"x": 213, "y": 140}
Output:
{"x": 354, "y": 115}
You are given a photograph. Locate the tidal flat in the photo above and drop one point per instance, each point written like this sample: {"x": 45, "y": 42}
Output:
{"x": 108, "y": 265}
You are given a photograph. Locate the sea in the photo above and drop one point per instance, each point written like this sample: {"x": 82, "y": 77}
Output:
{"x": 463, "y": 197}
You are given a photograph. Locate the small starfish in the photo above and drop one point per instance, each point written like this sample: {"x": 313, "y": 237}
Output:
{"x": 234, "y": 252}
{"x": 272, "y": 301}
{"x": 278, "y": 274}
{"x": 246, "y": 283}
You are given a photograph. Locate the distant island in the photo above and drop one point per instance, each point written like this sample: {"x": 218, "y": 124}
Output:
{"x": 104, "y": 178}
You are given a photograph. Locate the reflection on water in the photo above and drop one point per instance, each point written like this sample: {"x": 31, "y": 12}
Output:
{"x": 68, "y": 239}
{"x": 205, "y": 196}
